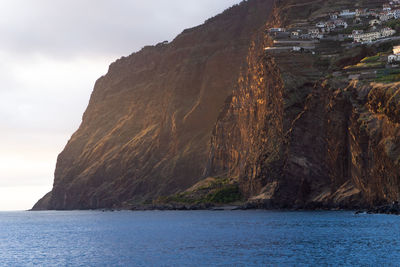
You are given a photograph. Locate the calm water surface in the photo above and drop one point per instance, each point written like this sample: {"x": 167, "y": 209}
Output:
{"x": 198, "y": 238}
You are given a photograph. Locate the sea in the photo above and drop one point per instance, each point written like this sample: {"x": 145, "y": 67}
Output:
{"x": 198, "y": 238}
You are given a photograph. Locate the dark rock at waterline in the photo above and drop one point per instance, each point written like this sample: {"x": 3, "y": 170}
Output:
{"x": 393, "y": 208}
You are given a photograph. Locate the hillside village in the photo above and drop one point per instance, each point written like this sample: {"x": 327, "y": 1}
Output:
{"x": 348, "y": 29}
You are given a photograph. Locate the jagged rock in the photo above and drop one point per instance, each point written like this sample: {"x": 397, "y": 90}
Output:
{"x": 147, "y": 128}
{"x": 213, "y": 104}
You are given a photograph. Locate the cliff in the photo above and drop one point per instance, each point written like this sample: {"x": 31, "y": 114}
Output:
{"x": 212, "y": 118}
{"x": 147, "y": 127}
{"x": 294, "y": 136}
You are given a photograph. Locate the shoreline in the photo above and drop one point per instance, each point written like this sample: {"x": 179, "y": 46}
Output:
{"x": 377, "y": 210}
{"x": 389, "y": 209}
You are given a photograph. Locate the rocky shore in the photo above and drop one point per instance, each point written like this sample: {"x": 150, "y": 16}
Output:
{"x": 390, "y": 209}
{"x": 393, "y": 208}
{"x": 264, "y": 205}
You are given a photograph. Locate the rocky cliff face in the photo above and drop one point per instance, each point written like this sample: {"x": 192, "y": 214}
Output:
{"x": 292, "y": 138}
{"x": 147, "y": 128}
{"x": 375, "y": 144}
{"x": 213, "y": 104}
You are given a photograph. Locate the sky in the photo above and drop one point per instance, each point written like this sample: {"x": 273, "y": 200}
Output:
{"x": 51, "y": 53}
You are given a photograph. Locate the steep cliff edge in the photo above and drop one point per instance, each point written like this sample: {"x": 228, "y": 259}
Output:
{"x": 147, "y": 128}
{"x": 211, "y": 118}
{"x": 294, "y": 136}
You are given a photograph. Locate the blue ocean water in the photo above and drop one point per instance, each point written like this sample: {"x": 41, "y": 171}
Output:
{"x": 198, "y": 238}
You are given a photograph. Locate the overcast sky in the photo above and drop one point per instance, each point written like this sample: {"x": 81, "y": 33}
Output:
{"x": 51, "y": 53}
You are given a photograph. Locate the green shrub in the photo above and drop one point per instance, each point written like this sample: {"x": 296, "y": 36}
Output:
{"x": 388, "y": 78}
{"x": 224, "y": 195}
{"x": 370, "y": 59}
{"x": 394, "y": 24}
{"x": 221, "y": 191}
{"x": 385, "y": 72}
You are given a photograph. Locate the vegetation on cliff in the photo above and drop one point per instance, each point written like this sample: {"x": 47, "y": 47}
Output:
{"x": 208, "y": 191}
{"x": 289, "y": 130}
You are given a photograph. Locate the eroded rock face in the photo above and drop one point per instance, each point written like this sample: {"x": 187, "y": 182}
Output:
{"x": 147, "y": 128}
{"x": 375, "y": 144}
{"x": 295, "y": 139}
{"x": 213, "y": 104}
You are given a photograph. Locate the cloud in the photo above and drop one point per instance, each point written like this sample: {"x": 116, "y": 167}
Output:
{"x": 47, "y": 94}
{"x": 76, "y": 27}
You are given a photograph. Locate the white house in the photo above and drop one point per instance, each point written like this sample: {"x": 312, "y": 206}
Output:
{"x": 374, "y": 22}
{"x": 386, "y": 32}
{"x": 333, "y": 15}
{"x": 386, "y": 7}
{"x": 396, "y": 13}
{"x": 354, "y": 33}
{"x": 296, "y": 48}
{"x": 386, "y": 16}
{"x": 315, "y": 33}
{"x": 347, "y": 13}
{"x": 361, "y": 12}
{"x": 366, "y": 37}
{"x": 396, "y": 50}
{"x": 341, "y": 23}
{"x": 294, "y": 35}
{"x": 277, "y": 30}
{"x": 393, "y": 59}
{"x": 330, "y": 25}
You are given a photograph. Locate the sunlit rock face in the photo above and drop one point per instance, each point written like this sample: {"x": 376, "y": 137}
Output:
{"x": 147, "y": 129}
{"x": 212, "y": 104}
{"x": 292, "y": 138}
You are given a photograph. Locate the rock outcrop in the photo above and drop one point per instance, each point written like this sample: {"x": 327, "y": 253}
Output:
{"x": 278, "y": 129}
{"x": 147, "y": 128}
{"x": 295, "y": 139}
